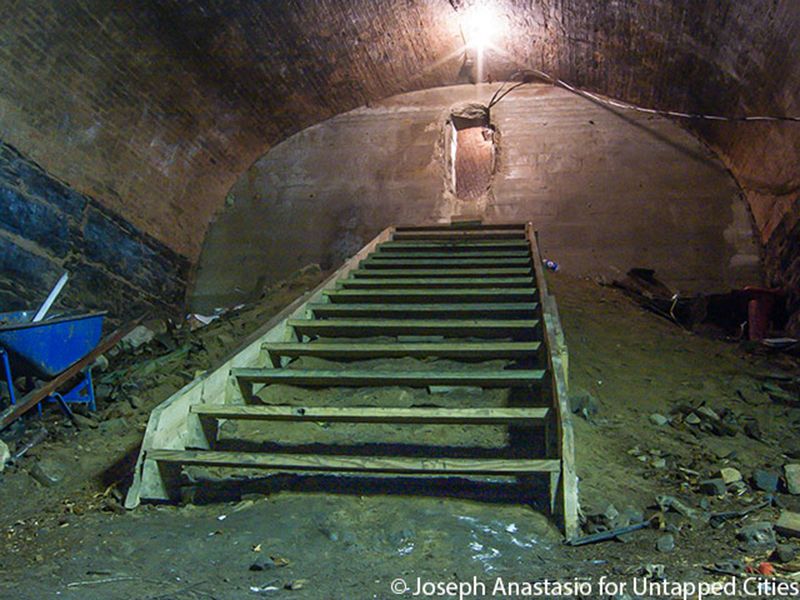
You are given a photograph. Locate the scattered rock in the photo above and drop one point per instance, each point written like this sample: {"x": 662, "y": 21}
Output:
{"x": 666, "y": 543}
{"x": 792, "y": 473}
{"x": 268, "y": 563}
{"x": 766, "y": 481}
{"x": 730, "y": 475}
{"x": 713, "y": 487}
{"x": 785, "y": 553}
{"x": 584, "y": 404}
{"x": 692, "y": 419}
{"x": 708, "y": 412}
{"x": 138, "y": 336}
{"x": 84, "y": 422}
{"x": 5, "y": 455}
{"x": 658, "y": 420}
{"x": 48, "y": 471}
{"x": 757, "y": 534}
{"x": 297, "y": 584}
{"x": 753, "y": 430}
{"x": 788, "y": 524}
{"x": 659, "y": 463}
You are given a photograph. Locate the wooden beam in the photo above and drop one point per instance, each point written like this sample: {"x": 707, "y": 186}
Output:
{"x": 484, "y": 234}
{"x": 368, "y": 464}
{"x": 458, "y": 327}
{"x": 429, "y": 254}
{"x": 497, "y": 310}
{"x": 350, "y": 350}
{"x": 424, "y": 296}
{"x": 365, "y": 377}
{"x": 454, "y": 246}
{"x": 433, "y": 282}
{"x": 415, "y": 262}
{"x": 453, "y": 273}
{"x": 461, "y": 227}
{"x": 368, "y": 414}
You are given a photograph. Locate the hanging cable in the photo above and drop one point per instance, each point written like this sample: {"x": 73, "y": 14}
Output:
{"x": 537, "y": 74}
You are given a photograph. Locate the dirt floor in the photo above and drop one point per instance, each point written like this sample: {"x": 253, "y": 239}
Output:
{"x": 659, "y": 411}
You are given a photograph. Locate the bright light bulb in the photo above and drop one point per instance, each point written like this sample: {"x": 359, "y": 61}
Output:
{"x": 480, "y": 25}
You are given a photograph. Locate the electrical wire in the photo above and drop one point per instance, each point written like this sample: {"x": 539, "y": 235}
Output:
{"x": 498, "y": 96}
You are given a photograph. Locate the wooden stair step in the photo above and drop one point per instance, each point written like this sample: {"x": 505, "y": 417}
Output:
{"x": 368, "y": 378}
{"x": 526, "y": 294}
{"x": 373, "y": 327}
{"x": 434, "y": 282}
{"x": 455, "y": 235}
{"x": 366, "y": 464}
{"x": 356, "y": 350}
{"x": 442, "y": 263}
{"x": 429, "y": 254}
{"x": 452, "y": 273}
{"x": 369, "y": 414}
{"x": 462, "y": 227}
{"x": 497, "y": 310}
{"x": 451, "y": 245}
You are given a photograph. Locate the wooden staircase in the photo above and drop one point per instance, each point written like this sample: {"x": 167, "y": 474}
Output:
{"x": 467, "y": 294}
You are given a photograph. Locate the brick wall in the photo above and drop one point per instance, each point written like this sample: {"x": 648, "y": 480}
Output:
{"x": 46, "y": 227}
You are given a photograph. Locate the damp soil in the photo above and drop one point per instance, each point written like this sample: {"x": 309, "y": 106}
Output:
{"x": 324, "y": 537}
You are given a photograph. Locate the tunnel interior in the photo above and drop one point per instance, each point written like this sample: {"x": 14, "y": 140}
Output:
{"x": 215, "y": 175}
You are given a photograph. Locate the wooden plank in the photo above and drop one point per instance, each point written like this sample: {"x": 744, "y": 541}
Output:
{"x": 372, "y": 327}
{"x": 432, "y": 282}
{"x": 367, "y": 464}
{"x": 34, "y": 397}
{"x": 351, "y": 350}
{"x": 484, "y": 234}
{"x": 461, "y": 227}
{"x": 566, "y": 484}
{"x": 169, "y": 424}
{"x": 375, "y": 262}
{"x": 453, "y": 246}
{"x": 498, "y": 310}
{"x": 425, "y": 296}
{"x": 453, "y": 273}
{"x": 364, "y": 377}
{"x": 369, "y": 414}
{"x": 429, "y": 254}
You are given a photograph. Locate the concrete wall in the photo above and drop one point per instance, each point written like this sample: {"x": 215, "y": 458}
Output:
{"x": 46, "y": 227}
{"x": 607, "y": 191}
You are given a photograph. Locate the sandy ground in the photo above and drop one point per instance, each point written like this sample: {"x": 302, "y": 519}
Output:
{"x": 352, "y": 541}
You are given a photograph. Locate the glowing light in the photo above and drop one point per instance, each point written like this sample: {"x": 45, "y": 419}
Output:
{"x": 481, "y": 26}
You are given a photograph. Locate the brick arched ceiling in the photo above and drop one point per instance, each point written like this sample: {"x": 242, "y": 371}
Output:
{"x": 155, "y": 107}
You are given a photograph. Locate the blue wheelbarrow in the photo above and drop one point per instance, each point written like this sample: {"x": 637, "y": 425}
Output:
{"x": 46, "y": 348}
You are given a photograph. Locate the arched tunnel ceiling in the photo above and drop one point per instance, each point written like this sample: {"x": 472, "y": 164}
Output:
{"x": 157, "y": 106}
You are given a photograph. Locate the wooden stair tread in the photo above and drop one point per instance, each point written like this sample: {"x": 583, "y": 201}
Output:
{"x": 410, "y": 311}
{"x": 368, "y": 377}
{"x": 370, "y": 414}
{"x": 454, "y": 245}
{"x": 454, "y": 273}
{"x": 452, "y": 295}
{"x": 371, "y": 464}
{"x": 475, "y": 350}
{"x": 455, "y": 235}
{"x": 441, "y": 263}
{"x": 461, "y": 227}
{"x": 502, "y": 254}
{"x": 370, "y": 327}
{"x": 433, "y": 282}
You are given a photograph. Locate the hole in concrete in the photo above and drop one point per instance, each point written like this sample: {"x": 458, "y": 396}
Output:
{"x": 471, "y": 152}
